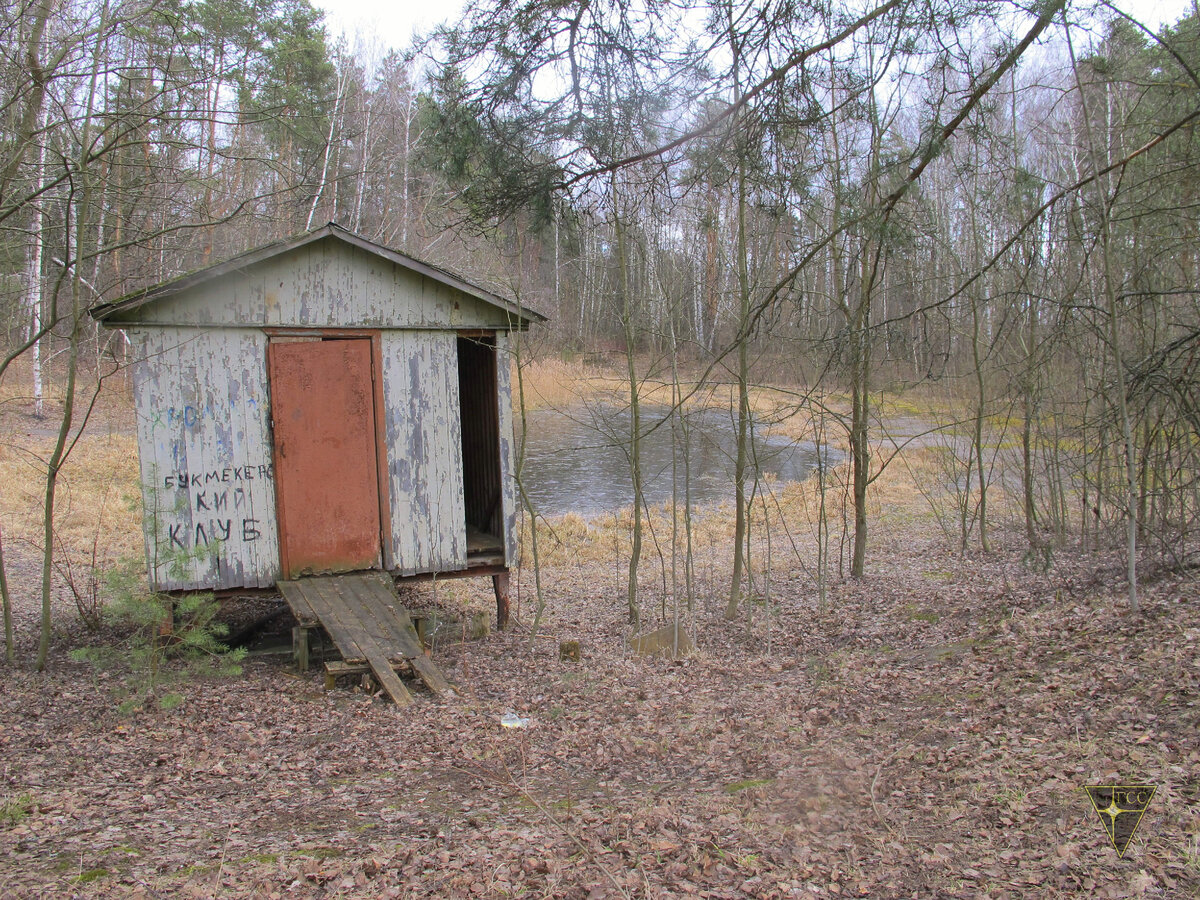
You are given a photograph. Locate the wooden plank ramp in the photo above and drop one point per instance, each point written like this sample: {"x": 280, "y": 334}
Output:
{"x": 362, "y": 613}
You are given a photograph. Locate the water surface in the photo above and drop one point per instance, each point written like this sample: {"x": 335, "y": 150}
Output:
{"x": 577, "y": 460}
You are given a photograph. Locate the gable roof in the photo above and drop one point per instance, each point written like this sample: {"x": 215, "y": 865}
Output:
{"x": 523, "y": 316}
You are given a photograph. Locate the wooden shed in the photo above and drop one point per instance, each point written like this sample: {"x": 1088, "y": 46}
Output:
{"x": 322, "y": 405}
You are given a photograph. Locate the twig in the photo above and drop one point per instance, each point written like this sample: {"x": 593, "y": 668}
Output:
{"x": 526, "y": 794}
{"x": 879, "y": 771}
{"x": 578, "y": 843}
{"x": 221, "y": 862}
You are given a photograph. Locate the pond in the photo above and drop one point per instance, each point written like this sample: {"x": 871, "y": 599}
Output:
{"x": 577, "y": 460}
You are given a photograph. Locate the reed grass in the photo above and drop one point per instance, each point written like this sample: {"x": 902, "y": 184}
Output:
{"x": 551, "y": 383}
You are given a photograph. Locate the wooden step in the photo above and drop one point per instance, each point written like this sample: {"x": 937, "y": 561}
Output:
{"x": 363, "y": 615}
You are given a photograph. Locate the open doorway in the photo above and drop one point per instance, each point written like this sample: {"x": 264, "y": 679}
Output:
{"x": 479, "y": 404}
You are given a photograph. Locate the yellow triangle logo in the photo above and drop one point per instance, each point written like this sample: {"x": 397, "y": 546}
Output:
{"x": 1120, "y": 808}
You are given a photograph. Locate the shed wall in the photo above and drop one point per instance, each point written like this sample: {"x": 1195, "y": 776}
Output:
{"x": 205, "y": 450}
{"x": 508, "y": 475}
{"x": 428, "y": 519}
{"x": 325, "y": 284}
{"x": 204, "y": 435}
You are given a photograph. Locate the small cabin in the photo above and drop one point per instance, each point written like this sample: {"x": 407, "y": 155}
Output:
{"x": 322, "y": 405}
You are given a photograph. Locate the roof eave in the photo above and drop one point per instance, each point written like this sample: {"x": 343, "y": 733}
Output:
{"x": 103, "y": 313}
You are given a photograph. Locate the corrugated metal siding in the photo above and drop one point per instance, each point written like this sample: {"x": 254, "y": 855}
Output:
{"x": 327, "y": 284}
{"x": 508, "y": 477}
{"x": 424, "y": 450}
{"x": 205, "y": 451}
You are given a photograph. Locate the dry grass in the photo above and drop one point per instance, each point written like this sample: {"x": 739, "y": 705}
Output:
{"x": 113, "y": 409}
{"x": 16, "y": 391}
{"x": 783, "y": 516}
{"x": 98, "y": 503}
{"x": 783, "y": 521}
{"x": 551, "y": 383}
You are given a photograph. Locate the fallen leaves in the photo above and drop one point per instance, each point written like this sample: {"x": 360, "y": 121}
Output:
{"x": 869, "y": 753}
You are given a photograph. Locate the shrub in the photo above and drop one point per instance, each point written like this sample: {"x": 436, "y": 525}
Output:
{"x": 160, "y": 641}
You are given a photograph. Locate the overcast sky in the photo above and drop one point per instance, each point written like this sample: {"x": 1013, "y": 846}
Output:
{"x": 393, "y": 23}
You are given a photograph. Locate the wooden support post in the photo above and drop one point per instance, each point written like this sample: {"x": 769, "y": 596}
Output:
{"x": 500, "y": 583}
{"x": 300, "y": 647}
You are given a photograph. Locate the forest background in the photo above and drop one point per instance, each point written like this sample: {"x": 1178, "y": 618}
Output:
{"x": 986, "y": 205}
{"x": 952, "y": 246}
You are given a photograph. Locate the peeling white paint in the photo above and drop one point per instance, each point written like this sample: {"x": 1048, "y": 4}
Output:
{"x": 208, "y": 486}
{"x": 328, "y": 284}
{"x": 425, "y": 474}
{"x": 204, "y": 426}
{"x": 508, "y": 475}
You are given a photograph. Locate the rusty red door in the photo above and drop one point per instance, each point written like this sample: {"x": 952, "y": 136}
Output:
{"x": 326, "y": 473}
